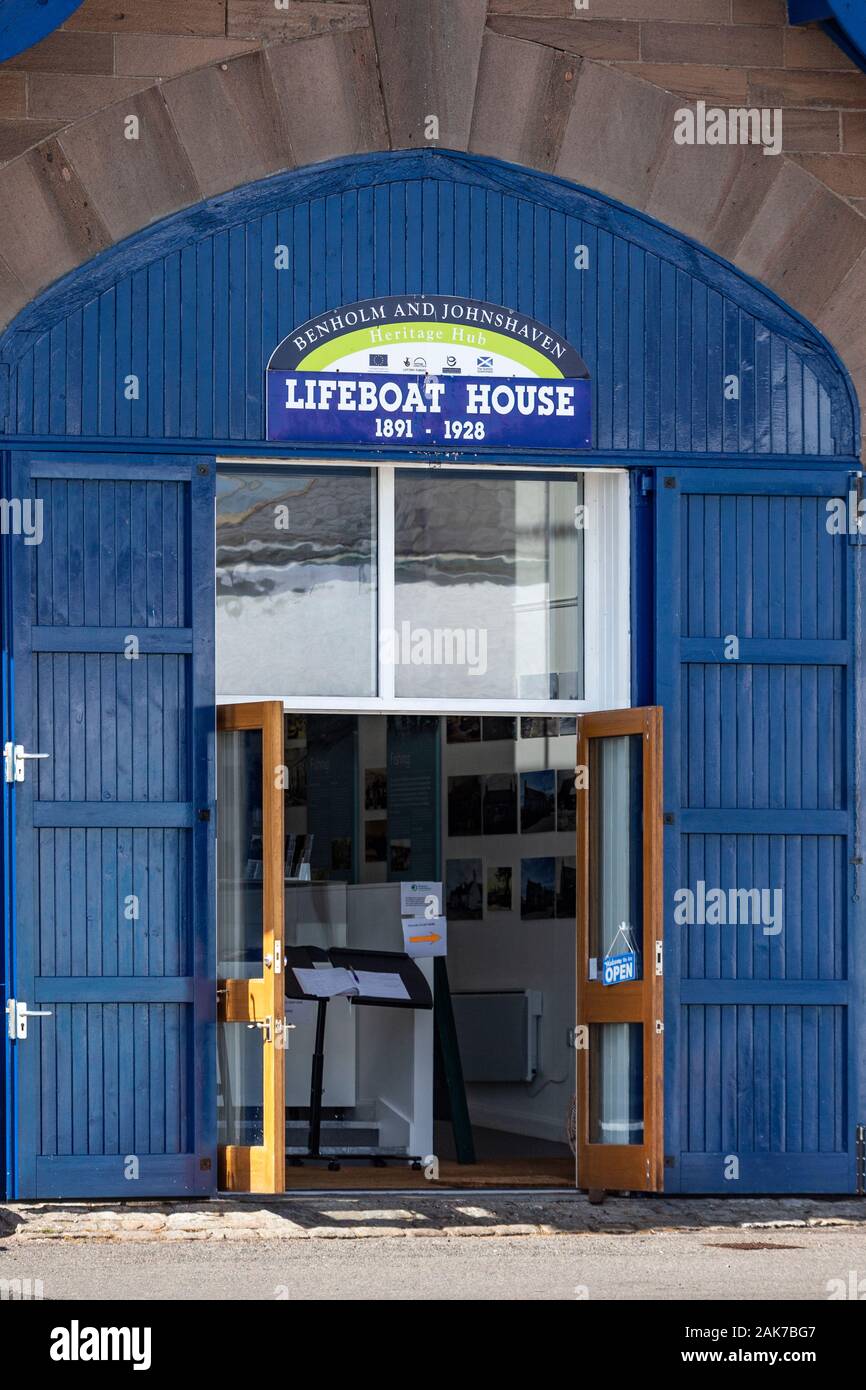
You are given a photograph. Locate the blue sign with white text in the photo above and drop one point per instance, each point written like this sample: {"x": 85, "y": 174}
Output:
{"x": 425, "y": 410}
{"x": 617, "y": 970}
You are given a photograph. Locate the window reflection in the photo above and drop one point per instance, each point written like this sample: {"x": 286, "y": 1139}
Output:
{"x": 296, "y": 582}
{"x": 489, "y": 587}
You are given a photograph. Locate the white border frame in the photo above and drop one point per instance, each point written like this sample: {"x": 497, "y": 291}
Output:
{"x": 606, "y": 607}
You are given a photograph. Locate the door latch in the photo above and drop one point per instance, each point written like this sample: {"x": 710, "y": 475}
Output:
{"x": 13, "y": 761}
{"x": 659, "y": 958}
{"x": 17, "y": 1014}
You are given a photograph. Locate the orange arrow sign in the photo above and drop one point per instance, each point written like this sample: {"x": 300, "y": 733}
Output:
{"x": 434, "y": 936}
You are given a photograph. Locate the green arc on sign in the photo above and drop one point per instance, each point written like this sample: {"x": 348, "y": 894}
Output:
{"x": 362, "y": 339}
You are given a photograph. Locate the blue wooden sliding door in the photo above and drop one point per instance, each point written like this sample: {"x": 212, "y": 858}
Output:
{"x": 112, "y": 970}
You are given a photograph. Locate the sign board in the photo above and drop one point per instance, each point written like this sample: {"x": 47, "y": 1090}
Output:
{"x": 424, "y": 411}
{"x": 617, "y": 970}
{"x": 431, "y": 371}
{"x": 414, "y": 898}
{"x": 425, "y": 936}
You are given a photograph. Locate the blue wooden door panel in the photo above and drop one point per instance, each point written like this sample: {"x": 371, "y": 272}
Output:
{"x": 764, "y": 1025}
{"x": 113, "y": 645}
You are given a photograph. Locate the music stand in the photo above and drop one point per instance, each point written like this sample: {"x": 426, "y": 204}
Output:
{"x": 344, "y": 957}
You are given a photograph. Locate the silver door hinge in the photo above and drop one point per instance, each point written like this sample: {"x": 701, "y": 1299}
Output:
{"x": 17, "y": 1014}
{"x": 13, "y": 761}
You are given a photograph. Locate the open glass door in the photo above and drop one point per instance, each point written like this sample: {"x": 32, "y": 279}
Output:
{"x": 250, "y": 912}
{"x": 619, "y": 950}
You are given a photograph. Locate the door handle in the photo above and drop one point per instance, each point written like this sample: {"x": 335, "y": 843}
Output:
{"x": 266, "y": 1025}
{"x": 17, "y": 1014}
{"x": 13, "y": 761}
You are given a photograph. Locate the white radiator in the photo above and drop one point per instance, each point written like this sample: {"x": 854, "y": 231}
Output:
{"x": 498, "y": 1034}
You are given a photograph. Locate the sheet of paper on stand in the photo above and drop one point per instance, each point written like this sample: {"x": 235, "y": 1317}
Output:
{"x": 376, "y": 984}
{"x": 326, "y": 984}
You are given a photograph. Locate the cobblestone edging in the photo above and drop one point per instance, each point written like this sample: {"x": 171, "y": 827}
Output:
{"x": 342, "y": 1217}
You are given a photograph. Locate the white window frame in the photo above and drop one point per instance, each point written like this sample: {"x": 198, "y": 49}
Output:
{"x": 606, "y": 597}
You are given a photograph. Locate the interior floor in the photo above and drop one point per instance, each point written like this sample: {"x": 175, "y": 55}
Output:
{"x": 503, "y": 1160}
{"x": 507, "y": 1173}
{"x": 497, "y": 1145}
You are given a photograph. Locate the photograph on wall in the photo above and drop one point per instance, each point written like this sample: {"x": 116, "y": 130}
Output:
{"x": 341, "y": 854}
{"x": 497, "y": 728}
{"x": 537, "y": 888}
{"x": 296, "y": 776}
{"x": 499, "y": 889}
{"x": 464, "y": 805}
{"x": 463, "y": 728}
{"x": 400, "y": 856}
{"x": 254, "y": 862}
{"x": 299, "y": 852}
{"x": 537, "y": 801}
{"x": 566, "y": 886}
{"x": 295, "y": 727}
{"x": 464, "y": 890}
{"x": 535, "y": 726}
{"x": 499, "y": 810}
{"x": 375, "y": 841}
{"x": 568, "y": 726}
{"x": 566, "y": 801}
{"x": 375, "y": 789}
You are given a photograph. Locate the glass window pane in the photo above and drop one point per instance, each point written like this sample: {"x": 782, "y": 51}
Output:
{"x": 489, "y": 587}
{"x": 296, "y": 583}
{"x": 239, "y": 854}
{"x": 615, "y": 847}
{"x": 240, "y": 1085}
{"x": 616, "y": 1083}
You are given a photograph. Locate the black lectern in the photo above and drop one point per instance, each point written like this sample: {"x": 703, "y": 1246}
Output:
{"x": 418, "y": 994}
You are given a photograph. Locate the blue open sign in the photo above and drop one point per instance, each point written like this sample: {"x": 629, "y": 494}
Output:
{"x": 616, "y": 970}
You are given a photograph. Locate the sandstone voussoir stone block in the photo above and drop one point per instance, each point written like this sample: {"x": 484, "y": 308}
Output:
{"x": 336, "y": 73}
{"x": 522, "y": 101}
{"x": 56, "y": 225}
{"x": 618, "y": 133}
{"x": 229, "y": 123}
{"x": 132, "y": 182}
{"x": 429, "y": 68}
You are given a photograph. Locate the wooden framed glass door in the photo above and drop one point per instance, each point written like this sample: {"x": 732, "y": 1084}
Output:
{"x": 250, "y": 933}
{"x": 619, "y": 951}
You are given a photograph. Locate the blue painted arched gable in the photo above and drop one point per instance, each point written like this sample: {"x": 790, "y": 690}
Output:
{"x": 194, "y": 306}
